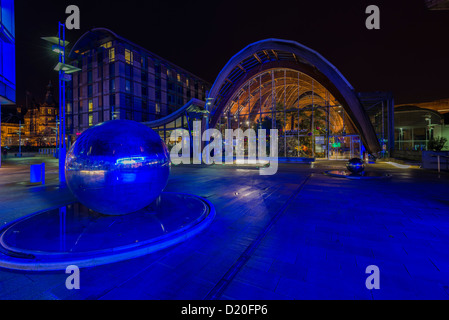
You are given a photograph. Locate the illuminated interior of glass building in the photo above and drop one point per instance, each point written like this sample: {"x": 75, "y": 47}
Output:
{"x": 311, "y": 123}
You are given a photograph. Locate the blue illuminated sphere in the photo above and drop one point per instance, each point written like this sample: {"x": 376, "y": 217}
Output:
{"x": 356, "y": 165}
{"x": 117, "y": 167}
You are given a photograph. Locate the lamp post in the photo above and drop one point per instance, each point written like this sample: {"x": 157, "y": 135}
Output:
{"x": 19, "y": 133}
{"x": 65, "y": 71}
{"x": 20, "y": 139}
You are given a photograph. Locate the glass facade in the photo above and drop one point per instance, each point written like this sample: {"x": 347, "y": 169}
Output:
{"x": 310, "y": 121}
{"x": 415, "y": 127}
{"x": 7, "y": 53}
{"x": 183, "y": 122}
{"x": 379, "y": 107}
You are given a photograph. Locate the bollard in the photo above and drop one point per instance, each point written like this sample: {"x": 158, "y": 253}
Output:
{"x": 43, "y": 173}
{"x": 37, "y": 173}
{"x": 438, "y": 164}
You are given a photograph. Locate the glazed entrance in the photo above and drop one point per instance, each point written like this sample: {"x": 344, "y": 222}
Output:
{"x": 310, "y": 121}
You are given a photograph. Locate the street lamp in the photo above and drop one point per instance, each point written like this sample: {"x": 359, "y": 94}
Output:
{"x": 20, "y": 139}
{"x": 19, "y": 133}
{"x": 59, "y": 46}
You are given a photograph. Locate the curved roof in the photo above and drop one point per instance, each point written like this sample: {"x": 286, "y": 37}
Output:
{"x": 273, "y": 53}
{"x": 194, "y": 105}
{"x": 413, "y": 116}
{"x": 92, "y": 37}
{"x": 406, "y": 108}
{"x": 98, "y": 36}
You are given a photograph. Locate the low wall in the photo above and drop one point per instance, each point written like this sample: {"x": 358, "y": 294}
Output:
{"x": 408, "y": 155}
{"x": 430, "y": 160}
{"x": 48, "y": 151}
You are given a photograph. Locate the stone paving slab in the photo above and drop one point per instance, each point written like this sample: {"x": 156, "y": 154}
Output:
{"x": 319, "y": 247}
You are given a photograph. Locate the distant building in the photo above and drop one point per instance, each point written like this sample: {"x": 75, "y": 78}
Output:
{"x": 121, "y": 80}
{"x": 10, "y": 133}
{"x": 417, "y": 123}
{"x": 441, "y": 106}
{"x": 7, "y": 54}
{"x": 37, "y": 122}
{"x": 415, "y": 127}
{"x": 40, "y": 121}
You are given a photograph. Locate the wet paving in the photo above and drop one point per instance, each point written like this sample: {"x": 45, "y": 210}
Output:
{"x": 299, "y": 234}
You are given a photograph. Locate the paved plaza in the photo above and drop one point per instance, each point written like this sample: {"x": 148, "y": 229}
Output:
{"x": 296, "y": 235}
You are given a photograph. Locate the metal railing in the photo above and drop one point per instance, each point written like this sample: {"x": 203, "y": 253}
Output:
{"x": 48, "y": 151}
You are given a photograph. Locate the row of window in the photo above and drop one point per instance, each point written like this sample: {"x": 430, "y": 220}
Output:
{"x": 128, "y": 103}
{"x": 172, "y": 87}
{"x": 100, "y": 116}
{"x": 129, "y": 60}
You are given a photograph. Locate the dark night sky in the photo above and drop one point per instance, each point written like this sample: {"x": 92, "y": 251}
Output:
{"x": 409, "y": 55}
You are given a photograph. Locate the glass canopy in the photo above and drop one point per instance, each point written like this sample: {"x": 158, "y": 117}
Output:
{"x": 311, "y": 122}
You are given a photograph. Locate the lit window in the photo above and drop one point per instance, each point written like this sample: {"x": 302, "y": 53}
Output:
{"x": 128, "y": 85}
{"x": 158, "y": 108}
{"x": 91, "y": 119}
{"x": 112, "y": 55}
{"x": 107, "y": 45}
{"x": 179, "y": 77}
{"x": 187, "y": 82}
{"x": 129, "y": 56}
{"x": 91, "y": 106}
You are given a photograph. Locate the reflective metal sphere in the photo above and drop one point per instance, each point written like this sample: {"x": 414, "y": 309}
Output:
{"x": 117, "y": 167}
{"x": 356, "y": 165}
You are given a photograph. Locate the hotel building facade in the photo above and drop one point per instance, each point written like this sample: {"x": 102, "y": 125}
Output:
{"x": 121, "y": 80}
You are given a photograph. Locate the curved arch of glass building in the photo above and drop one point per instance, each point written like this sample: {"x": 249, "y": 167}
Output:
{"x": 280, "y": 84}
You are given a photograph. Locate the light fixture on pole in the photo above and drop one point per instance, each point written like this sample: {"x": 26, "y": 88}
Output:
{"x": 65, "y": 71}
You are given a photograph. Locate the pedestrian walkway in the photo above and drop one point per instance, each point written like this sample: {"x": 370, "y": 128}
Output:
{"x": 297, "y": 235}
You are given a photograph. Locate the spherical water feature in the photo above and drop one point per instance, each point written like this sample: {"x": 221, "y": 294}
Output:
{"x": 356, "y": 165}
{"x": 117, "y": 167}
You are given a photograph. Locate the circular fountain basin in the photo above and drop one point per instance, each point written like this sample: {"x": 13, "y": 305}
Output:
{"x": 75, "y": 235}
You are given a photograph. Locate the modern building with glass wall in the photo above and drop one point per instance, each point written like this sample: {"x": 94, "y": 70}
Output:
{"x": 415, "y": 127}
{"x": 380, "y": 109}
{"x": 7, "y": 54}
{"x": 122, "y": 80}
{"x": 279, "y": 84}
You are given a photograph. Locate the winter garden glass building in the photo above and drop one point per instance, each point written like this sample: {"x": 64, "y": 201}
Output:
{"x": 279, "y": 84}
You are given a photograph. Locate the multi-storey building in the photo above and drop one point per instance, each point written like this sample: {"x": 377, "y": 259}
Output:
{"x": 121, "y": 80}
